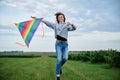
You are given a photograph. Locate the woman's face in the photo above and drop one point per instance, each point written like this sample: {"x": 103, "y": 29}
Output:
{"x": 60, "y": 18}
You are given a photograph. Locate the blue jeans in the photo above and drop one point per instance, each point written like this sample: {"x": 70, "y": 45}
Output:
{"x": 62, "y": 55}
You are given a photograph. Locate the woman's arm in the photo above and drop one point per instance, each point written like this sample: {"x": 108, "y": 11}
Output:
{"x": 49, "y": 24}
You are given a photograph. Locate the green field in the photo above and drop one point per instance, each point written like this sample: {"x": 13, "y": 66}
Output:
{"x": 43, "y": 68}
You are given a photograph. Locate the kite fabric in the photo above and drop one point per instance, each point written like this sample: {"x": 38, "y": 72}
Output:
{"x": 28, "y": 28}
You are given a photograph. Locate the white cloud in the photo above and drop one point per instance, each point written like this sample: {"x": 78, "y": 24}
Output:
{"x": 95, "y": 41}
{"x": 8, "y": 31}
{"x": 9, "y": 4}
{"x": 101, "y": 36}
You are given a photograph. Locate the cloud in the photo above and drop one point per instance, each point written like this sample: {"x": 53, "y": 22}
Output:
{"x": 7, "y": 3}
{"x": 101, "y": 36}
{"x": 84, "y": 16}
{"x": 96, "y": 21}
{"x": 8, "y": 31}
{"x": 95, "y": 40}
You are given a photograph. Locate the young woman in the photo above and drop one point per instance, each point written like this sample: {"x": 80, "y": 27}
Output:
{"x": 61, "y": 34}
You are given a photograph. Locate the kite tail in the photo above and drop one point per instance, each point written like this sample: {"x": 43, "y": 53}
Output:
{"x": 42, "y": 29}
{"x": 20, "y": 44}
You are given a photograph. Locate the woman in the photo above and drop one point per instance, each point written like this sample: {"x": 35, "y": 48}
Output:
{"x": 61, "y": 34}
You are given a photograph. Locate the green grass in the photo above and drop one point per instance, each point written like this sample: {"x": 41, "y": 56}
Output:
{"x": 43, "y": 68}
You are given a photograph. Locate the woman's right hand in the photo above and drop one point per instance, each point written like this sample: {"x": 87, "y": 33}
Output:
{"x": 33, "y": 17}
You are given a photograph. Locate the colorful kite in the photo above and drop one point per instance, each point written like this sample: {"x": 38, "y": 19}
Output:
{"x": 28, "y": 29}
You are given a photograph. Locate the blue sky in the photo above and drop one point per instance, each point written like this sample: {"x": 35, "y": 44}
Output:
{"x": 97, "y": 21}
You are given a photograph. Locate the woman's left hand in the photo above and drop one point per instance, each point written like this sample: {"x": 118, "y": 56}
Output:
{"x": 69, "y": 24}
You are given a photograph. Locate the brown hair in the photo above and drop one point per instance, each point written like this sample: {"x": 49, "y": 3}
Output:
{"x": 59, "y": 13}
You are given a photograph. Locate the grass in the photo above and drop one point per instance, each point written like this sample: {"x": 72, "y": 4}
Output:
{"x": 43, "y": 68}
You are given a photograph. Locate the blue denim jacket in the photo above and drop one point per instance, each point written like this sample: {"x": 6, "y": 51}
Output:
{"x": 60, "y": 29}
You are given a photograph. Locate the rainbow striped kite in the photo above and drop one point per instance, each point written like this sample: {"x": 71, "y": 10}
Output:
{"x": 28, "y": 28}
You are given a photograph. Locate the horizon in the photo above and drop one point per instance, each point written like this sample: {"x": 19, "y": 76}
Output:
{"x": 69, "y": 51}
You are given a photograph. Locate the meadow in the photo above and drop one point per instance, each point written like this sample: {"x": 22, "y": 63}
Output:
{"x": 43, "y": 68}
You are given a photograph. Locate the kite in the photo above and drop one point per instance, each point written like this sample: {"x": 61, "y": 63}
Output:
{"x": 28, "y": 28}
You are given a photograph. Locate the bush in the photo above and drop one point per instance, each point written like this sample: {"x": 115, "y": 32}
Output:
{"x": 97, "y": 57}
{"x": 111, "y": 57}
{"x": 73, "y": 57}
{"x": 115, "y": 56}
{"x": 85, "y": 56}
{"x": 79, "y": 56}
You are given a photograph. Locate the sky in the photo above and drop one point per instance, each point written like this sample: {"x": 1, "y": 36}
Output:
{"x": 97, "y": 22}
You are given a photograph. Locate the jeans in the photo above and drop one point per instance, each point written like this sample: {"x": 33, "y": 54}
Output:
{"x": 62, "y": 55}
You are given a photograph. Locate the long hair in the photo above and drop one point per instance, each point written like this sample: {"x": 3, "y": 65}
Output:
{"x": 59, "y": 13}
